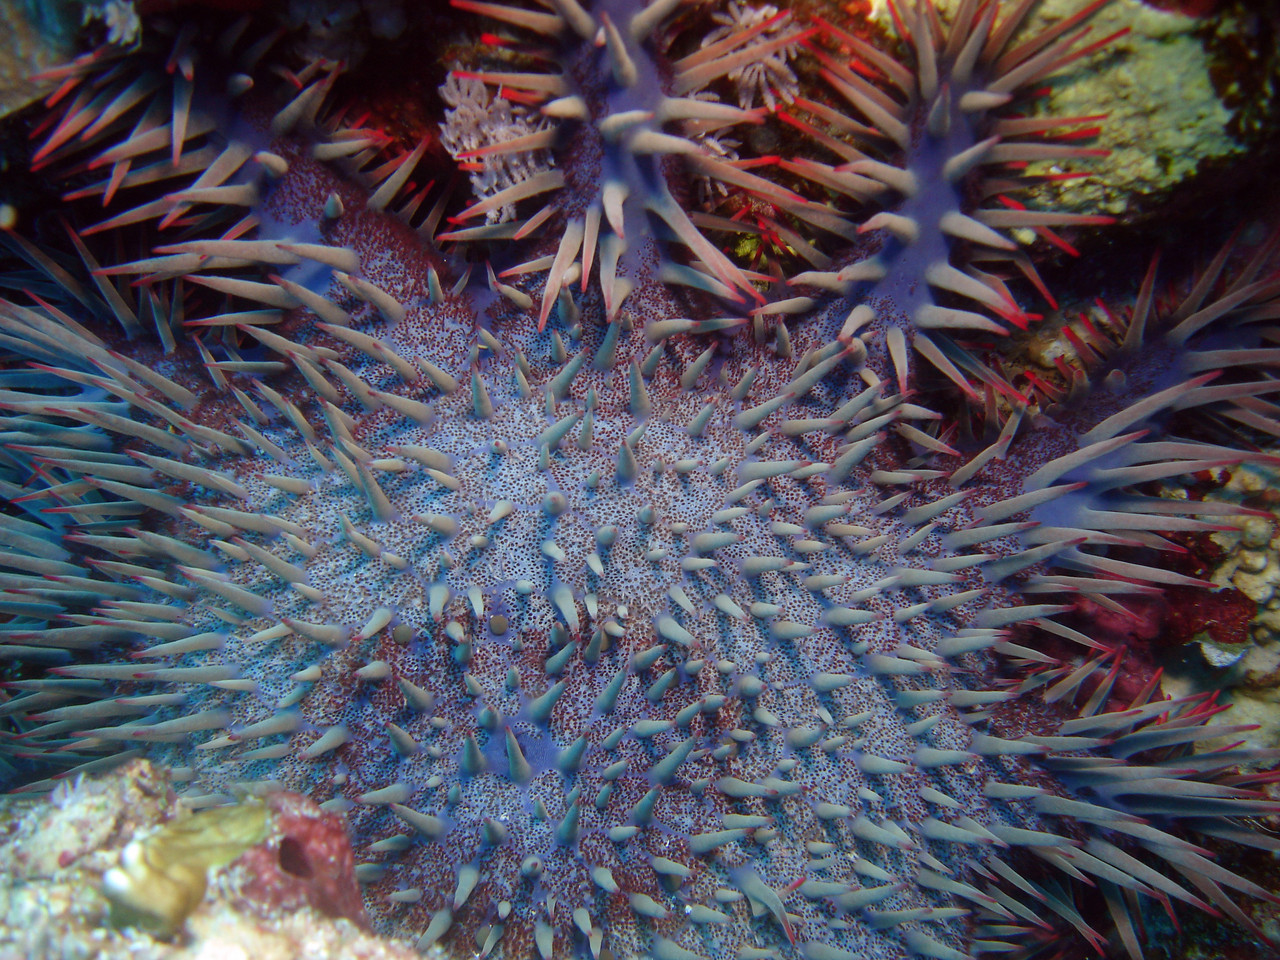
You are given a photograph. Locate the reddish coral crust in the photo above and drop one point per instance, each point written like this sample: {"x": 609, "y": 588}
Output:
{"x": 1224, "y": 614}
{"x": 306, "y": 862}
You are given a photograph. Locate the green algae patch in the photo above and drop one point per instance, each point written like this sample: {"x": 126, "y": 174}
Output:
{"x": 1164, "y": 118}
{"x": 162, "y": 876}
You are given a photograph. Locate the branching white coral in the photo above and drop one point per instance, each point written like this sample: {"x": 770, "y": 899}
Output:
{"x": 67, "y": 792}
{"x": 477, "y": 120}
{"x": 769, "y": 77}
{"x": 120, "y": 19}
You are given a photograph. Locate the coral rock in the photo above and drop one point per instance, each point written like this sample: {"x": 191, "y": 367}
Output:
{"x": 57, "y": 851}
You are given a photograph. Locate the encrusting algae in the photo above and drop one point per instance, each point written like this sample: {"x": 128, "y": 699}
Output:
{"x": 163, "y": 875}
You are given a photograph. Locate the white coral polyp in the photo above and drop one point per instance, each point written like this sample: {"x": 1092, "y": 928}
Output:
{"x": 120, "y": 19}
{"x": 769, "y": 77}
{"x": 476, "y": 120}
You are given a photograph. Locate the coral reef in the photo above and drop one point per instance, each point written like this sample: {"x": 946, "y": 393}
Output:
{"x": 626, "y": 587}
{"x": 283, "y": 888}
{"x": 1233, "y": 646}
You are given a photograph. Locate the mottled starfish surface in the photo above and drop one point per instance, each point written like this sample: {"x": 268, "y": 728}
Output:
{"x": 628, "y": 599}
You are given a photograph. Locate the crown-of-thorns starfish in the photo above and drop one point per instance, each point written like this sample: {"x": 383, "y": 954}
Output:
{"x": 621, "y": 602}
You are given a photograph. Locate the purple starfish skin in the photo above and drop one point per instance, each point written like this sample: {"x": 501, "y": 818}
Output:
{"x": 623, "y": 601}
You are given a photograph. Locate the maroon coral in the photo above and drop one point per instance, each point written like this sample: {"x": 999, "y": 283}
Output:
{"x": 306, "y": 861}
